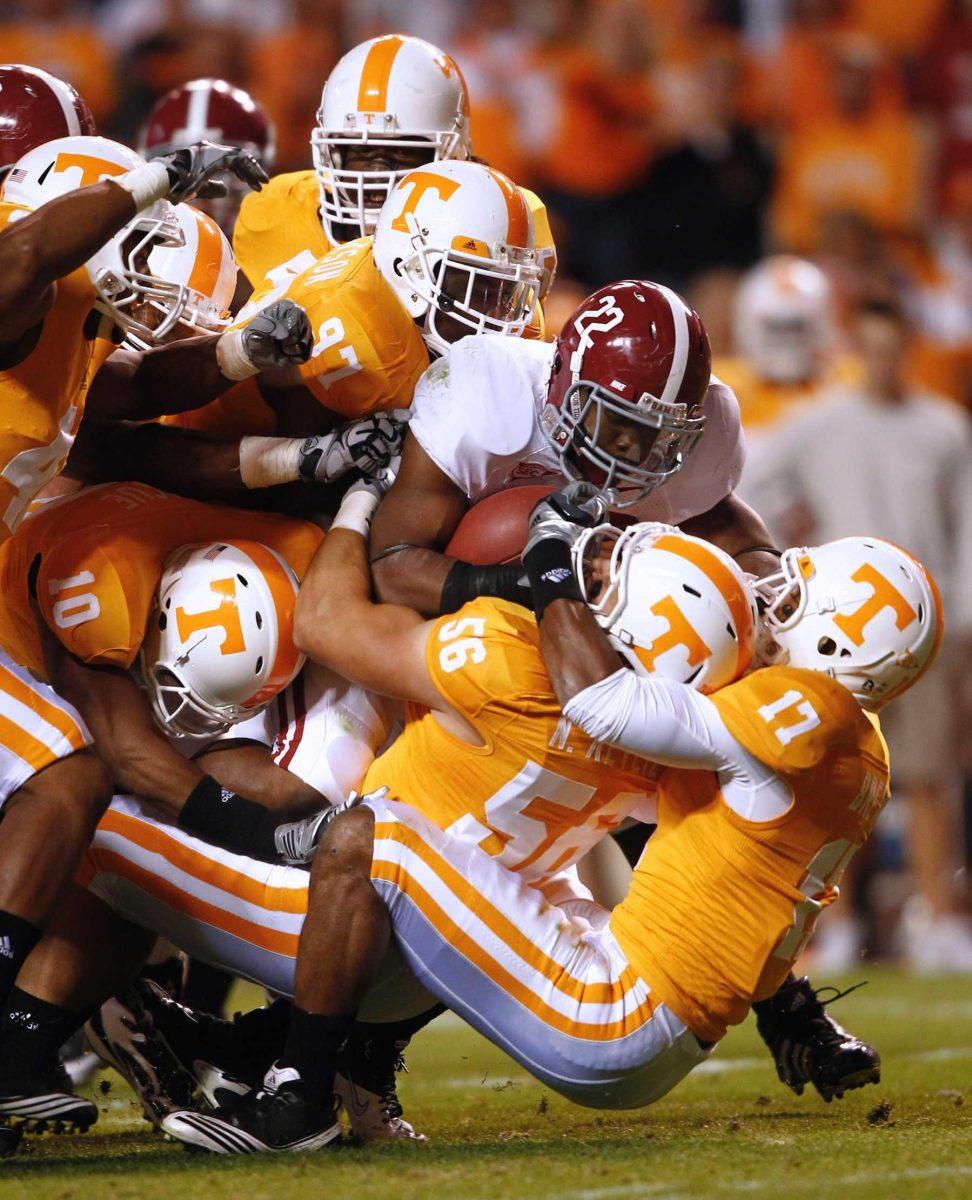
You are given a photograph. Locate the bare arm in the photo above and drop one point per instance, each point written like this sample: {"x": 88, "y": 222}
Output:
{"x": 336, "y": 622}
{"x": 420, "y": 513}
{"x": 249, "y": 770}
{"x": 50, "y": 243}
{"x": 167, "y": 379}
{"x": 736, "y": 528}
{"x": 575, "y": 648}
{"x": 139, "y": 758}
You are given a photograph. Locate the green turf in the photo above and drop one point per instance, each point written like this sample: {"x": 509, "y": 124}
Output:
{"x": 730, "y": 1130}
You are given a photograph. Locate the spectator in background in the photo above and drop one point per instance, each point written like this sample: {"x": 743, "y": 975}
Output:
{"x": 947, "y": 86}
{"x": 60, "y": 37}
{"x": 287, "y": 70}
{"x": 705, "y": 197}
{"x": 590, "y": 132}
{"x": 890, "y": 460}
{"x": 868, "y": 156}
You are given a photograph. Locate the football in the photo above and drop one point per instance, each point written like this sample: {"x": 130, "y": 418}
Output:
{"x": 495, "y": 529}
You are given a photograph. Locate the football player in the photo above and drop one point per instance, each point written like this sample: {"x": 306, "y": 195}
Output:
{"x": 391, "y": 104}
{"x": 539, "y": 799}
{"x": 79, "y": 579}
{"x": 453, "y": 254}
{"x": 624, "y": 398}
{"x": 79, "y": 220}
{"x": 211, "y": 110}
{"x": 770, "y": 786}
{"x": 37, "y": 107}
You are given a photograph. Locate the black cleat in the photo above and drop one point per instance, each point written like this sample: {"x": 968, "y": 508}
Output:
{"x": 44, "y": 1101}
{"x": 809, "y": 1046}
{"x": 277, "y": 1119}
{"x": 367, "y": 1087}
{"x": 123, "y": 1034}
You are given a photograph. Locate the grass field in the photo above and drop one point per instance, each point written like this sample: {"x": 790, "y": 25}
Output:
{"x": 730, "y": 1130}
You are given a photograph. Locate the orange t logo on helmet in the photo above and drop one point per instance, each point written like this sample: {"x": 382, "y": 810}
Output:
{"x": 225, "y": 616}
{"x": 422, "y": 182}
{"x": 680, "y": 632}
{"x": 886, "y": 595}
{"x": 92, "y": 169}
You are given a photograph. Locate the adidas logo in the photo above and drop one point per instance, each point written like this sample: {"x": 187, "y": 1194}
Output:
{"x": 556, "y": 574}
{"x": 6, "y": 949}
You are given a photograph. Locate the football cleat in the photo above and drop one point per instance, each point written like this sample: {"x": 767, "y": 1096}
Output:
{"x": 277, "y": 1119}
{"x": 809, "y": 1046}
{"x": 44, "y": 1102}
{"x": 367, "y": 1087}
{"x": 124, "y": 1036}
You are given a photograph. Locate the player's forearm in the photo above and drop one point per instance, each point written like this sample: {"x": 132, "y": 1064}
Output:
{"x": 412, "y": 576}
{"x": 334, "y": 608}
{"x": 735, "y": 527}
{"x": 171, "y": 379}
{"x": 576, "y": 652}
{"x": 176, "y": 460}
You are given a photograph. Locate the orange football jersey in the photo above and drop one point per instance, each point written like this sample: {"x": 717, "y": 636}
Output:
{"x": 720, "y": 906}
{"x": 102, "y": 552}
{"x": 368, "y": 352}
{"x": 277, "y": 223}
{"x": 42, "y": 397}
{"x": 539, "y": 792}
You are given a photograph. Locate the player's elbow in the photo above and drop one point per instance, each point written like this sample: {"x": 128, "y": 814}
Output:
{"x": 314, "y": 624}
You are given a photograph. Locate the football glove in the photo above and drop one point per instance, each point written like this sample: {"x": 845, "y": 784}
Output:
{"x": 368, "y": 445}
{"x": 565, "y": 515}
{"x": 192, "y": 168}
{"x": 278, "y": 336}
{"x": 297, "y": 841}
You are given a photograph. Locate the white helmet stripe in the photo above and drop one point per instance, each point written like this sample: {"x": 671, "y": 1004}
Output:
{"x": 197, "y": 114}
{"x": 680, "y": 355}
{"x": 66, "y": 101}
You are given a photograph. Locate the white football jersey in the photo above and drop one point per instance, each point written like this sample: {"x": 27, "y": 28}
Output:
{"x": 476, "y": 413}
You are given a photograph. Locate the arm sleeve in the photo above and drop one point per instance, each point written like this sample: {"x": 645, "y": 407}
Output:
{"x": 658, "y": 719}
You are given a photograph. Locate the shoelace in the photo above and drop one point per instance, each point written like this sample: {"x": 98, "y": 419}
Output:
{"x": 816, "y": 1012}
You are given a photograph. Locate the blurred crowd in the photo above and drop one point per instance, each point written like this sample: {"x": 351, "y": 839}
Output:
{"x": 706, "y": 144}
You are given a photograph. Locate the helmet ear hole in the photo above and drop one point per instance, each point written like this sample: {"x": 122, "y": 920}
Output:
{"x": 259, "y": 665}
{"x": 259, "y": 620}
{"x": 826, "y": 646}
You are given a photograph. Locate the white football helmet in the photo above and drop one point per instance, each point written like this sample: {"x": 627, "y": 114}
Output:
{"x": 782, "y": 319}
{"x": 455, "y": 241}
{"x": 202, "y": 264}
{"x": 392, "y": 93}
{"x": 119, "y": 271}
{"x": 219, "y": 643}
{"x": 670, "y": 604}
{"x": 860, "y": 610}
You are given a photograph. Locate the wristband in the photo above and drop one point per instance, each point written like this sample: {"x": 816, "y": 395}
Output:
{"x": 551, "y": 574}
{"x": 465, "y": 582}
{"x": 267, "y": 461}
{"x": 355, "y": 513}
{"x": 220, "y": 816}
{"x": 146, "y": 184}
{"x": 232, "y": 358}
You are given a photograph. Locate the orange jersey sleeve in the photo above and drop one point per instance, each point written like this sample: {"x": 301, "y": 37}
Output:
{"x": 277, "y": 224}
{"x": 368, "y": 352}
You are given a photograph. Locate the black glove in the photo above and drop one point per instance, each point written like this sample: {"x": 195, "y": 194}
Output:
{"x": 278, "y": 336}
{"x": 191, "y": 170}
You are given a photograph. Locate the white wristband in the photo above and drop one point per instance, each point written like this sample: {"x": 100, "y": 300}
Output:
{"x": 147, "y": 184}
{"x": 267, "y": 461}
{"x": 356, "y": 511}
{"x": 231, "y": 357}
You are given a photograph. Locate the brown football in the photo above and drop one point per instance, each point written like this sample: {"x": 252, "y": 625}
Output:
{"x": 495, "y": 529}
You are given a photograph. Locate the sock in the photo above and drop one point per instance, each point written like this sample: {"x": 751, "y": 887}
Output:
{"x": 17, "y": 938}
{"x": 32, "y": 1031}
{"x": 313, "y": 1045}
{"x": 394, "y": 1031}
{"x": 219, "y": 816}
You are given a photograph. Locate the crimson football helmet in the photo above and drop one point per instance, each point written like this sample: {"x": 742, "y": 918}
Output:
{"x": 627, "y": 383}
{"x": 216, "y": 111}
{"x": 35, "y": 108}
